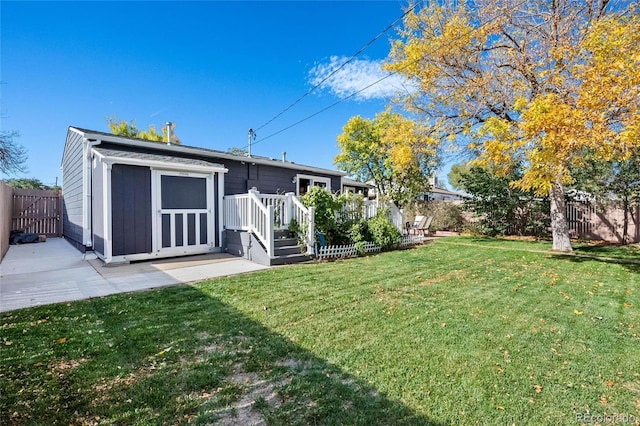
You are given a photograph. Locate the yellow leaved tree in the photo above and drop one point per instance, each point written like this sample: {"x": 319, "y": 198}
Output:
{"x": 393, "y": 152}
{"x": 129, "y": 129}
{"x": 543, "y": 84}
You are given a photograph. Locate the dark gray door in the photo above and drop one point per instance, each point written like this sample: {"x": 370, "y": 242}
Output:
{"x": 131, "y": 224}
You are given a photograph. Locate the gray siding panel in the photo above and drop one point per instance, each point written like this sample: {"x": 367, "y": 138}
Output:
{"x": 72, "y": 188}
{"x": 266, "y": 179}
{"x": 131, "y": 209}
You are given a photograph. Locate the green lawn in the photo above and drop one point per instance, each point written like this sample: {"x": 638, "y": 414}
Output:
{"x": 460, "y": 331}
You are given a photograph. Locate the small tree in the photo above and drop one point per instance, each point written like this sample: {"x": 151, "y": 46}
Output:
{"x": 500, "y": 207}
{"x": 130, "y": 130}
{"x": 395, "y": 153}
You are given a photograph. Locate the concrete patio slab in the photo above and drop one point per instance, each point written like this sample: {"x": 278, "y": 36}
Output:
{"x": 54, "y": 271}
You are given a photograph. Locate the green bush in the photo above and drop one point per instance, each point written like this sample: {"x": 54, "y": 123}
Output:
{"x": 325, "y": 206}
{"x": 383, "y": 232}
{"x": 446, "y": 216}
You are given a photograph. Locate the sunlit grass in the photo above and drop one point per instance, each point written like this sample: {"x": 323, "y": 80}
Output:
{"x": 461, "y": 331}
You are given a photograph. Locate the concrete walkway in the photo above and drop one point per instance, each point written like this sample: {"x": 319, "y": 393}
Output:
{"x": 52, "y": 272}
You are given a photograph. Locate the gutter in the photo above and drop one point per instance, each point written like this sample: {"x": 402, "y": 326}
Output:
{"x": 87, "y": 225}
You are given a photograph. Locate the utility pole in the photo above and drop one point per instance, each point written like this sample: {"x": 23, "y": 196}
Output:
{"x": 252, "y": 137}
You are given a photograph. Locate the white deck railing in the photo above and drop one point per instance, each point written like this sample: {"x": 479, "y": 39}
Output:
{"x": 236, "y": 212}
{"x": 261, "y": 221}
{"x": 264, "y": 213}
{"x": 305, "y": 217}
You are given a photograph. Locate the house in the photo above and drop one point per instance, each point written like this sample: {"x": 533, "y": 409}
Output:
{"x": 128, "y": 199}
{"x": 355, "y": 187}
{"x": 441, "y": 194}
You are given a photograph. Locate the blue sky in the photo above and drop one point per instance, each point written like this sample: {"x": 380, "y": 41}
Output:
{"x": 215, "y": 68}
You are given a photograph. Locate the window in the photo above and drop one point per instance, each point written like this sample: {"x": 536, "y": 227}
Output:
{"x": 307, "y": 181}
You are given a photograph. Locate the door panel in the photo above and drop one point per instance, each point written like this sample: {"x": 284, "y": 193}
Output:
{"x": 185, "y": 205}
{"x": 131, "y": 225}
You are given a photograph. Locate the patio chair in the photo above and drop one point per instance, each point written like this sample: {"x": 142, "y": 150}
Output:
{"x": 417, "y": 222}
{"x": 424, "y": 226}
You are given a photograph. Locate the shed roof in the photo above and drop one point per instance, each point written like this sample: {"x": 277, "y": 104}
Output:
{"x": 146, "y": 157}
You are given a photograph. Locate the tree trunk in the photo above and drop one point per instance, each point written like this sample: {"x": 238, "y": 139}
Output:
{"x": 559, "y": 224}
{"x": 625, "y": 229}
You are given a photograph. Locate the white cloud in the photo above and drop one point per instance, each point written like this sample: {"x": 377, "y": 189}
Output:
{"x": 360, "y": 75}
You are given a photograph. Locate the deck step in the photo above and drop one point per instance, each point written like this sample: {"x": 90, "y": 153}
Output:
{"x": 290, "y": 258}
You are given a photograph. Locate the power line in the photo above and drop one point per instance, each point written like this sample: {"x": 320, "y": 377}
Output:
{"x": 365, "y": 47}
{"x": 339, "y": 101}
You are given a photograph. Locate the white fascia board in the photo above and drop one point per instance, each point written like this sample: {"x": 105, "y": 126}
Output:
{"x": 157, "y": 164}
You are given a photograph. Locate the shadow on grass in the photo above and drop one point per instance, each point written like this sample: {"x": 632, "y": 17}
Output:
{"x": 584, "y": 256}
{"x": 172, "y": 356}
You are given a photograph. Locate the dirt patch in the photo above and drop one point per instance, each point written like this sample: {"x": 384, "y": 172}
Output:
{"x": 256, "y": 391}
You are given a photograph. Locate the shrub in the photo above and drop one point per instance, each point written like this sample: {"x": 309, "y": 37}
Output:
{"x": 325, "y": 210}
{"x": 446, "y": 216}
{"x": 383, "y": 232}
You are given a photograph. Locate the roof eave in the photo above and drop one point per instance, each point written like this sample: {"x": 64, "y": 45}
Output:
{"x": 200, "y": 151}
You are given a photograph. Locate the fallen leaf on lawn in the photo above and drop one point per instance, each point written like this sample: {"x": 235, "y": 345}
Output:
{"x": 444, "y": 324}
{"x": 577, "y": 312}
{"x": 538, "y": 388}
{"x": 62, "y": 340}
{"x": 8, "y": 343}
{"x": 627, "y": 305}
{"x": 610, "y": 383}
{"x": 499, "y": 408}
{"x": 164, "y": 350}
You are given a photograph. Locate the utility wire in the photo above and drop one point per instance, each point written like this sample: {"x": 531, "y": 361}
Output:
{"x": 339, "y": 101}
{"x": 365, "y": 47}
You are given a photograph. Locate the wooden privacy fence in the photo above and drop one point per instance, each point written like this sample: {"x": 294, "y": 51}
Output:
{"x": 37, "y": 211}
{"x": 6, "y": 203}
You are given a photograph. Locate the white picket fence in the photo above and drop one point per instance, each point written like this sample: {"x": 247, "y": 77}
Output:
{"x": 328, "y": 252}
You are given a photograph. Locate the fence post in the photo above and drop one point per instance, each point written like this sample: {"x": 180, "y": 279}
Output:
{"x": 269, "y": 231}
{"x": 311, "y": 236}
{"x": 288, "y": 208}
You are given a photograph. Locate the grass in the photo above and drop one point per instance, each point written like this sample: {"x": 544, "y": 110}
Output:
{"x": 461, "y": 331}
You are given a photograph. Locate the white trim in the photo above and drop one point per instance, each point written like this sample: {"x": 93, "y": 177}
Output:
{"x": 220, "y": 207}
{"x": 87, "y": 204}
{"x": 147, "y": 256}
{"x": 313, "y": 180}
{"x": 157, "y": 212}
{"x": 160, "y": 165}
{"x": 107, "y": 212}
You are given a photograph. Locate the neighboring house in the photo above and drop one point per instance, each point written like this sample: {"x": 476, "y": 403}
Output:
{"x": 435, "y": 193}
{"x": 441, "y": 194}
{"x": 129, "y": 199}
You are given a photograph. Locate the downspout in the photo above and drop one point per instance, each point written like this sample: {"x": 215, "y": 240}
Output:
{"x": 87, "y": 205}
